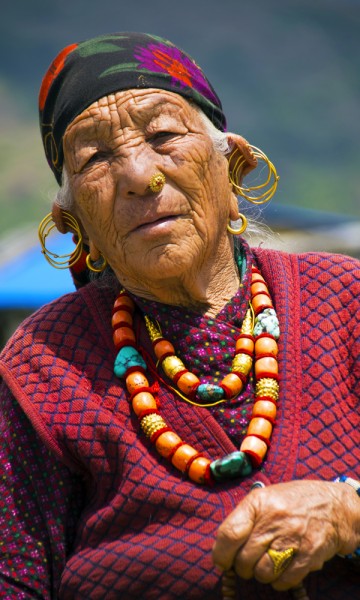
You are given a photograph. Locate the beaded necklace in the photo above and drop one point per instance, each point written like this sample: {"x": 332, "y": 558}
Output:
{"x": 256, "y": 342}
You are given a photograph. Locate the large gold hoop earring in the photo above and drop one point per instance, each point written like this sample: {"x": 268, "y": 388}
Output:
{"x": 241, "y": 229}
{"x": 45, "y": 228}
{"x": 92, "y": 267}
{"x": 253, "y": 193}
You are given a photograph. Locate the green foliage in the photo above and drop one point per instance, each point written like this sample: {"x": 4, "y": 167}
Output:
{"x": 26, "y": 183}
{"x": 287, "y": 73}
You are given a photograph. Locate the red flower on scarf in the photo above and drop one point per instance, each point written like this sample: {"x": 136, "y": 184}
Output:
{"x": 160, "y": 58}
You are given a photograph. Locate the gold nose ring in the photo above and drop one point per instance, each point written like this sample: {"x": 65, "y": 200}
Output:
{"x": 157, "y": 182}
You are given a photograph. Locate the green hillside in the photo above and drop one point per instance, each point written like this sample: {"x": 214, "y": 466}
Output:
{"x": 287, "y": 72}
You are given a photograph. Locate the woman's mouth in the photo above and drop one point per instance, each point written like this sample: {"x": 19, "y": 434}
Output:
{"x": 158, "y": 225}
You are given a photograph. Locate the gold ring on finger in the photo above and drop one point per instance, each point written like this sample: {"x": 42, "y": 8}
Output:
{"x": 281, "y": 559}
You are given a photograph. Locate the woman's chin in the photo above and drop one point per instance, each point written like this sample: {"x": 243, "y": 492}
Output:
{"x": 168, "y": 262}
{"x": 165, "y": 268}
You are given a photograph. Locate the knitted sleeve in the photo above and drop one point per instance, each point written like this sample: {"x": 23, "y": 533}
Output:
{"x": 40, "y": 501}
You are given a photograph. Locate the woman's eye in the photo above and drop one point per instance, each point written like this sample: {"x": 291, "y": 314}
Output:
{"x": 162, "y": 137}
{"x": 97, "y": 157}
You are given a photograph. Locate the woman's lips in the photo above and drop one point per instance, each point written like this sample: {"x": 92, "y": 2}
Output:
{"x": 157, "y": 224}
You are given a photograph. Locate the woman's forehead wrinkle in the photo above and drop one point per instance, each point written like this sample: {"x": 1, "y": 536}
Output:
{"x": 100, "y": 121}
{"x": 120, "y": 116}
{"x": 113, "y": 115}
{"x": 154, "y": 103}
{"x": 128, "y": 115}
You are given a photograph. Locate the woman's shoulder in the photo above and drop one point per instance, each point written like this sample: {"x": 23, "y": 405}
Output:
{"x": 319, "y": 276}
{"x": 316, "y": 264}
{"x": 334, "y": 264}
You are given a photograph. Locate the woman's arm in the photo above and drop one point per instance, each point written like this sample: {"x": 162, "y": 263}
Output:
{"x": 40, "y": 501}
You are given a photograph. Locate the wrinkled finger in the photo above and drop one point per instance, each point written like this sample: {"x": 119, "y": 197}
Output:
{"x": 228, "y": 542}
{"x": 301, "y": 566}
{"x": 273, "y": 564}
{"x": 249, "y": 554}
{"x": 290, "y": 575}
{"x": 231, "y": 535}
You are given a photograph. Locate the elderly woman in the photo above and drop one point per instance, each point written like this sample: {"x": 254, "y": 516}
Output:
{"x": 185, "y": 426}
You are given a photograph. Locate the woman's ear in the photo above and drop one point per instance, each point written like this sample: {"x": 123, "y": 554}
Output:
{"x": 57, "y": 217}
{"x": 65, "y": 227}
{"x": 241, "y": 158}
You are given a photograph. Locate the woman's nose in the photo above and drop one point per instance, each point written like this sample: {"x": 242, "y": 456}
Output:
{"x": 136, "y": 176}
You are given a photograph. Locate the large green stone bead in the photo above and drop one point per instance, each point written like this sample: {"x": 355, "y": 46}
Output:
{"x": 236, "y": 464}
{"x": 208, "y": 392}
{"x": 267, "y": 322}
{"x": 127, "y": 357}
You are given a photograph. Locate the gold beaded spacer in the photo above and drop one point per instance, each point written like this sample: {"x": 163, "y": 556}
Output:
{"x": 267, "y": 387}
{"x": 152, "y": 423}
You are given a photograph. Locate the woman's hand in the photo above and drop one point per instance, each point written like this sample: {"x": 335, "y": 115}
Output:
{"x": 317, "y": 519}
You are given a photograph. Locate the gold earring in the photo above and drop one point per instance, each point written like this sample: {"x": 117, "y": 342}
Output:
{"x": 157, "y": 182}
{"x": 94, "y": 269}
{"x": 252, "y": 193}
{"x": 45, "y": 228}
{"x": 241, "y": 229}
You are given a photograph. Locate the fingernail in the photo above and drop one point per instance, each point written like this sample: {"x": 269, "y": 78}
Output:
{"x": 257, "y": 484}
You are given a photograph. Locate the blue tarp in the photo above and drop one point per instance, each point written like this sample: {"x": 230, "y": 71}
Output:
{"x": 28, "y": 281}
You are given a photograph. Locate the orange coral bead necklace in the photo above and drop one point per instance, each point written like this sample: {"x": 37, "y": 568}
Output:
{"x": 256, "y": 345}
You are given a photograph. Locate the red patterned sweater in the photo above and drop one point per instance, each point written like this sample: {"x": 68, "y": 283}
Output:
{"x": 88, "y": 510}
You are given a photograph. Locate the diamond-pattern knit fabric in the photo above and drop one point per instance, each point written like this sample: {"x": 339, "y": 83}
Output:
{"x": 89, "y": 508}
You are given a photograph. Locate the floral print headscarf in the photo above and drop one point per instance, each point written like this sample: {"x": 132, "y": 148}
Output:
{"x": 86, "y": 71}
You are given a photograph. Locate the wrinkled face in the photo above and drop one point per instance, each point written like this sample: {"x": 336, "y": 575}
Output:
{"x": 111, "y": 152}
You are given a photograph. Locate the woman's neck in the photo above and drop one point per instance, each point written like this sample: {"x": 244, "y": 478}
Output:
{"x": 204, "y": 291}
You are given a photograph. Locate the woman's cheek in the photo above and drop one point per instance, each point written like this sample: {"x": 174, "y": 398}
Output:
{"x": 88, "y": 202}
{"x": 90, "y": 175}
{"x": 90, "y": 192}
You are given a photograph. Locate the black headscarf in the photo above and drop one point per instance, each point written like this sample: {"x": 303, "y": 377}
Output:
{"x": 86, "y": 71}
